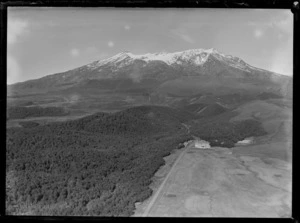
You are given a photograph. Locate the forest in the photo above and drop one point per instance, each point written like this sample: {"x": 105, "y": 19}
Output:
{"x": 101, "y": 164}
{"x": 225, "y": 133}
{"x": 97, "y": 165}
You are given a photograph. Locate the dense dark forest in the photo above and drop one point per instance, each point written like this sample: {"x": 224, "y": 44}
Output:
{"x": 101, "y": 164}
{"x": 225, "y": 133}
{"x": 21, "y": 112}
{"x": 97, "y": 165}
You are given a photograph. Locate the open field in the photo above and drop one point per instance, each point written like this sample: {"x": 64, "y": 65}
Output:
{"x": 244, "y": 181}
{"x": 220, "y": 183}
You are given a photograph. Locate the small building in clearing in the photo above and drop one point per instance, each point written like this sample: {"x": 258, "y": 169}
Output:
{"x": 201, "y": 144}
{"x": 244, "y": 142}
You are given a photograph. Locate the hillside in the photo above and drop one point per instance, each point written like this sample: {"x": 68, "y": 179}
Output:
{"x": 100, "y": 164}
{"x": 136, "y": 120}
{"x": 127, "y": 80}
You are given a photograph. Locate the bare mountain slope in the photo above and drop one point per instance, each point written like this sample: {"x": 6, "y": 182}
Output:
{"x": 157, "y": 78}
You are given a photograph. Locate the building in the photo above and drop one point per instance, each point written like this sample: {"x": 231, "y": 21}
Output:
{"x": 246, "y": 141}
{"x": 201, "y": 144}
{"x": 188, "y": 142}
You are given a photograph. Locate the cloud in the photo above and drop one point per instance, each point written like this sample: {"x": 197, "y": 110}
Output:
{"x": 258, "y": 33}
{"x": 15, "y": 29}
{"x": 13, "y": 70}
{"x": 111, "y": 44}
{"x": 127, "y": 27}
{"x": 183, "y": 35}
{"x": 75, "y": 52}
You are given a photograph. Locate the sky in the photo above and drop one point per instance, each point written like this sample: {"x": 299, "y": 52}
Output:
{"x": 43, "y": 41}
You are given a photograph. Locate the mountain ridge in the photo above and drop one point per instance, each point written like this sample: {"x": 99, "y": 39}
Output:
{"x": 151, "y": 57}
{"x": 194, "y": 71}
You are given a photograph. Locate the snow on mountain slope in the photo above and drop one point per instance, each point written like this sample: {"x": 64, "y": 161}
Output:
{"x": 196, "y": 57}
{"x": 205, "y": 67}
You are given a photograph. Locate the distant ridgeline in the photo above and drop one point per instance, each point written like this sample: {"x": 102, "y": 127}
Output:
{"x": 20, "y": 112}
{"x": 101, "y": 164}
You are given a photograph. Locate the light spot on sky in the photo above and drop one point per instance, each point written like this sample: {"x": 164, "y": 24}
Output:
{"x": 15, "y": 29}
{"x": 111, "y": 44}
{"x": 258, "y": 33}
{"x": 75, "y": 52}
{"x": 127, "y": 27}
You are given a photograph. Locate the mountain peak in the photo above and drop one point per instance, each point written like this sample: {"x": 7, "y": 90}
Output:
{"x": 122, "y": 53}
{"x": 198, "y": 57}
{"x": 159, "y": 66}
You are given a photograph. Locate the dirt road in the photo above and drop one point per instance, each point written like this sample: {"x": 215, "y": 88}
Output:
{"x": 158, "y": 192}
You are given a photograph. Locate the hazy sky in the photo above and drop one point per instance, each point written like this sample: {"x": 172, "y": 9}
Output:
{"x": 43, "y": 41}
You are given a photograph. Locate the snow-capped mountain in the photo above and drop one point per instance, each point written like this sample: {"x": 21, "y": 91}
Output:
{"x": 196, "y": 57}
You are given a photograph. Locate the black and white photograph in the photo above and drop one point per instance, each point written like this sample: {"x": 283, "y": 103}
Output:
{"x": 149, "y": 112}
